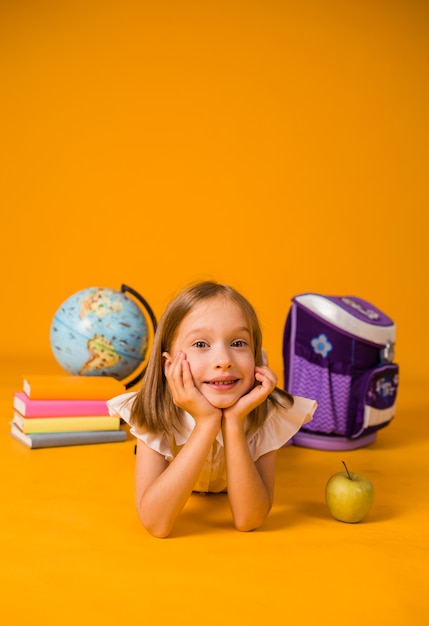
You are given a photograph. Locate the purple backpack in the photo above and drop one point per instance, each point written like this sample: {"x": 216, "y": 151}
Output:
{"x": 339, "y": 351}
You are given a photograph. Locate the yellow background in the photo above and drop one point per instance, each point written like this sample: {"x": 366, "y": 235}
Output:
{"x": 278, "y": 146}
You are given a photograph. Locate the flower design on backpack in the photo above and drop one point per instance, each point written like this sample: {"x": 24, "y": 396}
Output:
{"x": 321, "y": 345}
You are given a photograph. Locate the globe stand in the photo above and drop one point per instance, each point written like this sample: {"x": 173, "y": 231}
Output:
{"x": 148, "y": 309}
{"x": 332, "y": 442}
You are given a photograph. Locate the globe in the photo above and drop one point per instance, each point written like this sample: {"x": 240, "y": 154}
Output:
{"x": 101, "y": 332}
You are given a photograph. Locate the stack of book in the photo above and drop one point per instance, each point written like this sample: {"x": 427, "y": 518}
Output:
{"x": 66, "y": 410}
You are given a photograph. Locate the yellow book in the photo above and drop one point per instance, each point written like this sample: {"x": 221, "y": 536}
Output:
{"x": 68, "y": 387}
{"x": 33, "y": 425}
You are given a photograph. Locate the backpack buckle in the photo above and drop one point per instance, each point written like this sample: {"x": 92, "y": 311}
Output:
{"x": 388, "y": 352}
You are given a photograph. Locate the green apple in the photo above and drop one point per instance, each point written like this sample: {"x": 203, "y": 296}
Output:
{"x": 349, "y": 496}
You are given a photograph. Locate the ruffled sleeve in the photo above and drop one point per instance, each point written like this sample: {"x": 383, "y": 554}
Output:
{"x": 121, "y": 406}
{"x": 280, "y": 425}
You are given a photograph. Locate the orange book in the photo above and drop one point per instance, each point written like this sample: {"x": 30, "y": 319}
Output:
{"x": 69, "y": 387}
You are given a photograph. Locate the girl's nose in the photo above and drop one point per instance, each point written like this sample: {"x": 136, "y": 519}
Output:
{"x": 223, "y": 359}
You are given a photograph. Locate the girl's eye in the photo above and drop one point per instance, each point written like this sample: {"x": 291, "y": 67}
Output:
{"x": 200, "y": 344}
{"x": 238, "y": 344}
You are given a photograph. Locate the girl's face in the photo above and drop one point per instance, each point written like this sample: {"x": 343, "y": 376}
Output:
{"x": 216, "y": 339}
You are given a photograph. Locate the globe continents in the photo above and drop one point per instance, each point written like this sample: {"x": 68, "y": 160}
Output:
{"x": 99, "y": 332}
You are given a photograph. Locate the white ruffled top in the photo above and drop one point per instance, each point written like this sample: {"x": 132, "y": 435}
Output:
{"x": 280, "y": 425}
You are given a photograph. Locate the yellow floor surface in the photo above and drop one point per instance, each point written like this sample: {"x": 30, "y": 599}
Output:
{"x": 73, "y": 551}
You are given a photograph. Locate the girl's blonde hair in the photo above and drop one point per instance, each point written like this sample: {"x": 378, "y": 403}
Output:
{"x": 153, "y": 409}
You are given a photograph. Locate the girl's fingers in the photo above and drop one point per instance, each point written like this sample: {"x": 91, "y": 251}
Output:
{"x": 186, "y": 374}
{"x": 183, "y": 390}
{"x": 267, "y": 380}
{"x": 266, "y": 377}
{"x": 179, "y": 377}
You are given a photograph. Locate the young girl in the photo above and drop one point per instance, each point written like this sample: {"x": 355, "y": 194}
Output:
{"x": 208, "y": 416}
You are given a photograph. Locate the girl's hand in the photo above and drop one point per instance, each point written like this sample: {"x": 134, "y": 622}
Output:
{"x": 185, "y": 394}
{"x": 245, "y": 405}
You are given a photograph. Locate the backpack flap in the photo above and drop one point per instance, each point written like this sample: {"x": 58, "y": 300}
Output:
{"x": 354, "y": 316}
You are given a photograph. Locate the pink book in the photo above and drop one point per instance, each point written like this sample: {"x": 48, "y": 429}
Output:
{"x": 57, "y": 408}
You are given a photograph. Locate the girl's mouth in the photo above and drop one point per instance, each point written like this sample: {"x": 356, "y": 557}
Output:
{"x": 222, "y": 384}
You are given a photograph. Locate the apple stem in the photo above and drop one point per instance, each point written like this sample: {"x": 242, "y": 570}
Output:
{"x": 347, "y": 470}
